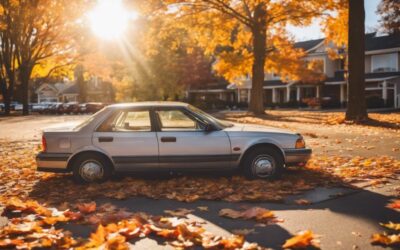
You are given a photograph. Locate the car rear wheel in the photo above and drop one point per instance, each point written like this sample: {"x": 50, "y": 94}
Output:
{"x": 263, "y": 163}
{"x": 91, "y": 167}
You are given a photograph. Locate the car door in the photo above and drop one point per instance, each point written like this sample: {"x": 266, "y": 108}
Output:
{"x": 184, "y": 143}
{"x": 129, "y": 138}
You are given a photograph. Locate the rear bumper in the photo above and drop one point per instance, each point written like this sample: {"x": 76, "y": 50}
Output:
{"x": 52, "y": 162}
{"x": 297, "y": 156}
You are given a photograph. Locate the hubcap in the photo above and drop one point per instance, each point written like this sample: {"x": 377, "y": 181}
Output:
{"x": 91, "y": 171}
{"x": 264, "y": 166}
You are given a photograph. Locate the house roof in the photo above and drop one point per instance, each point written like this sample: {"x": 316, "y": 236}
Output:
{"x": 307, "y": 45}
{"x": 73, "y": 89}
{"x": 373, "y": 42}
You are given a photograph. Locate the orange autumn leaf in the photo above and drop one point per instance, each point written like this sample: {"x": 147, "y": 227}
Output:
{"x": 73, "y": 215}
{"x": 391, "y": 225}
{"x": 87, "y": 208}
{"x": 301, "y": 240}
{"x": 394, "y": 204}
{"x": 257, "y": 213}
{"x": 302, "y": 202}
{"x": 385, "y": 239}
{"x": 234, "y": 242}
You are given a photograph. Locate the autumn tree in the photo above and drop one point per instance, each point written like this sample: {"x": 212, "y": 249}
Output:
{"x": 389, "y": 10}
{"x": 248, "y": 37}
{"x": 7, "y": 56}
{"x": 40, "y": 31}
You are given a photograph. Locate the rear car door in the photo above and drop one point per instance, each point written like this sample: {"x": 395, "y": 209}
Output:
{"x": 184, "y": 143}
{"x": 129, "y": 138}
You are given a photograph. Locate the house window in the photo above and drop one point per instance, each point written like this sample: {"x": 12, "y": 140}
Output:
{"x": 385, "y": 63}
{"x": 243, "y": 95}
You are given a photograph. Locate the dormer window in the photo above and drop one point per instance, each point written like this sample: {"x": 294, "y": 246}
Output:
{"x": 385, "y": 63}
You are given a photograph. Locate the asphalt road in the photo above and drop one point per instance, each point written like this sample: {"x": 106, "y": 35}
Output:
{"x": 344, "y": 222}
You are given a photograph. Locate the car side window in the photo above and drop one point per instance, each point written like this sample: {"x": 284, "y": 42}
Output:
{"x": 177, "y": 120}
{"x": 126, "y": 121}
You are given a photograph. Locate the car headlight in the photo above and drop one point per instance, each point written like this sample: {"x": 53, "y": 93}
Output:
{"x": 300, "y": 143}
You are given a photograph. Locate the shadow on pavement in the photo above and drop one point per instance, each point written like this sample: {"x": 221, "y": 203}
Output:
{"x": 339, "y": 198}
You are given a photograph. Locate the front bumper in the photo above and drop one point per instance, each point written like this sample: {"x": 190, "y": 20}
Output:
{"x": 52, "y": 162}
{"x": 297, "y": 156}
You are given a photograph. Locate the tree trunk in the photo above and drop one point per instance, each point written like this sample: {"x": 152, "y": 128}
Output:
{"x": 259, "y": 44}
{"x": 356, "y": 107}
{"x": 25, "y": 75}
{"x": 6, "y": 96}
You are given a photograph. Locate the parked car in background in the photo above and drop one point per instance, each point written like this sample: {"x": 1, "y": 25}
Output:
{"x": 56, "y": 108}
{"x": 166, "y": 135}
{"x": 68, "y": 108}
{"x": 81, "y": 109}
{"x": 18, "y": 107}
{"x": 2, "y": 107}
{"x": 89, "y": 108}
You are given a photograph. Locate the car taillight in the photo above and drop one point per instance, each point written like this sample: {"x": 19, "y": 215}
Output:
{"x": 300, "y": 143}
{"x": 44, "y": 144}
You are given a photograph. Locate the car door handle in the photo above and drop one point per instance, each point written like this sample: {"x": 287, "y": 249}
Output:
{"x": 106, "y": 139}
{"x": 168, "y": 139}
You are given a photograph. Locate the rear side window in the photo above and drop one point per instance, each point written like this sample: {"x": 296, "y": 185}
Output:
{"x": 127, "y": 121}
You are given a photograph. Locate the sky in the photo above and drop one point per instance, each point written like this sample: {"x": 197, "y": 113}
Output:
{"x": 314, "y": 31}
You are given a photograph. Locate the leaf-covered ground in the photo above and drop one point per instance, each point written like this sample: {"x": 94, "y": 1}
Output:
{"x": 38, "y": 204}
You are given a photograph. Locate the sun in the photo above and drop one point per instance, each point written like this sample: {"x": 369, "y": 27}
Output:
{"x": 109, "y": 19}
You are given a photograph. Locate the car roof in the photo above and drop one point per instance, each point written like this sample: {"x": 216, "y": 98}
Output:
{"x": 149, "y": 104}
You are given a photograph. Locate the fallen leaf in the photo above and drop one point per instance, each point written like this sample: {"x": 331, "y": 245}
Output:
{"x": 391, "y": 225}
{"x": 302, "y": 202}
{"x": 180, "y": 212}
{"x": 87, "y": 208}
{"x": 394, "y": 204}
{"x": 385, "y": 239}
{"x": 302, "y": 240}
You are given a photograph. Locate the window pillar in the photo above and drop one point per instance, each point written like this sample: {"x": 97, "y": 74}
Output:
{"x": 298, "y": 94}
{"x": 287, "y": 94}
{"x": 273, "y": 95}
{"x": 317, "y": 90}
{"x": 384, "y": 91}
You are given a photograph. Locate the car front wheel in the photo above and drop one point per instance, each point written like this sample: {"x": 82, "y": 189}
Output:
{"x": 263, "y": 163}
{"x": 91, "y": 167}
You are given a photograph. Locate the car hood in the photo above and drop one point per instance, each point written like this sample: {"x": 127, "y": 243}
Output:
{"x": 256, "y": 128}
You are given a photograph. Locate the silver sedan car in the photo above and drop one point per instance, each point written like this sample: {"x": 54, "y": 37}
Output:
{"x": 166, "y": 135}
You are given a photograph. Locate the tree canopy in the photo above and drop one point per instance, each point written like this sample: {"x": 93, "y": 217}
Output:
{"x": 249, "y": 37}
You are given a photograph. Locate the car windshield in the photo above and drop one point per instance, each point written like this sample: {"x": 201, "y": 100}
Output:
{"x": 210, "y": 118}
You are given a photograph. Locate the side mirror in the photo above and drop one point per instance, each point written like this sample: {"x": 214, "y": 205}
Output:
{"x": 209, "y": 128}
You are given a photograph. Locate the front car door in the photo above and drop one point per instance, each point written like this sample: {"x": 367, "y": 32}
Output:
{"x": 184, "y": 143}
{"x": 129, "y": 138}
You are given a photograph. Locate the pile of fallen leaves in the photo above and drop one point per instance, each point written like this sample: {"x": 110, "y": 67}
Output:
{"x": 19, "y": 178}
{"x": 33, "y": 225}
{"x": 374, "y": 170}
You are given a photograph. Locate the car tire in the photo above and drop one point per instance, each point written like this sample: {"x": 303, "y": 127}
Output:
{"x": 91, "y": 167}
{"x": 263, "y": 163}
